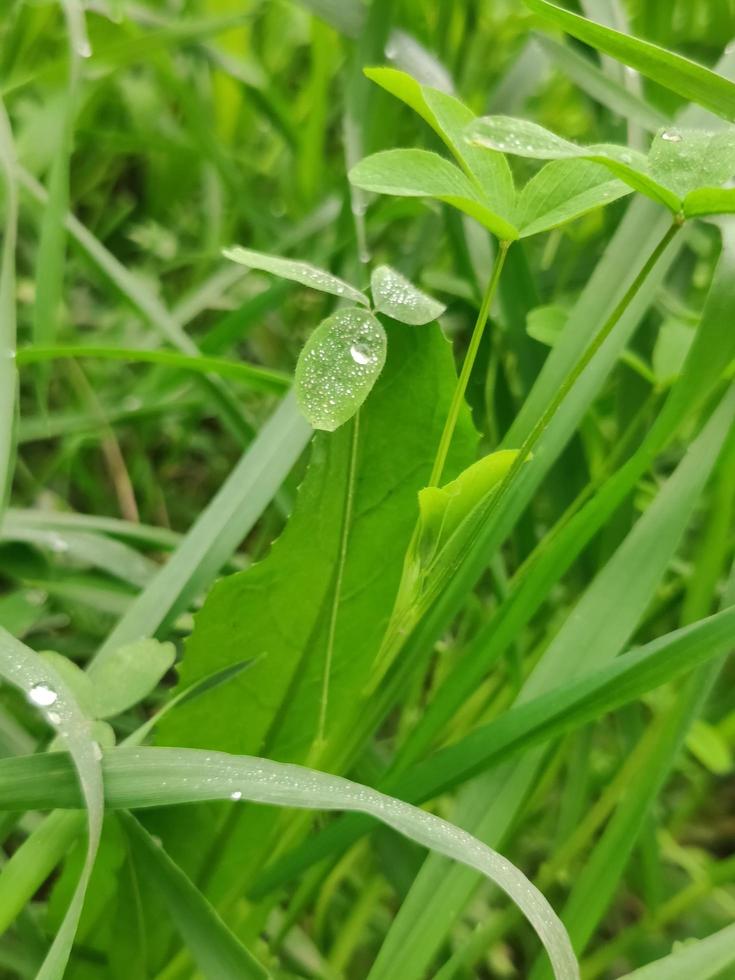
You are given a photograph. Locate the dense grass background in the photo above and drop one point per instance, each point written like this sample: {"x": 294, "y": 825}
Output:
{"x": 133, "y": 484}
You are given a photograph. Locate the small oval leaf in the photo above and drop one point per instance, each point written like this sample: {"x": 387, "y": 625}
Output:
{"x": 338, "y": 366}
{"x": 398, "y": 298}
{"x": 301, "y": 272}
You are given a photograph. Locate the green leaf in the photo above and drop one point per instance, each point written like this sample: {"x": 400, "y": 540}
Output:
{"x": 673, "y": 71}
{"x": 709, "y": 200}
{"x": 705, "y": 959}
{"x": 128, "y": 675}
{"x": 670, "y": 350}
{"x": 443, "y": 509}
{"x": 8, "y": 372}
{"x": 46, "y": 689}
{"x": 419, "y": 173}
{"x": 448, "y": 117}
{"x": 338, "y": 367}
{"x": 546, "y": 323}
{"x": 528, "y": 139}
{"x": 707, "y": 745}
{"x": 302, "y": 272}
{"x": 156, "y": 776}
{"x": 281, "y": 609}
{"x": 398, "y": 298}
{"x": 218, "y": 952}
{"x": 685, "y": 160}
{"x": 562, "y": 191}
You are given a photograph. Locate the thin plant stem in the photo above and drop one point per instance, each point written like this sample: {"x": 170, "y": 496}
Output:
{"x": 459, "y": 392}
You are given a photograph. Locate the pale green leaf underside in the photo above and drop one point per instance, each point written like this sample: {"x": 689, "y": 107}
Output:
{"x": 398, "y": 298}
{"x": 128, "y": 675}
{"x": 448, "y": 117}
{"x": 301, "y": 272}
{"x": 420, "y": 173}
{"x": 338, "y": 366}
{"x": 705, "y": 960}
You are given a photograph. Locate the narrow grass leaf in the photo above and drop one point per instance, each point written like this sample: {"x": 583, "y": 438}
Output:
{"x": 45, "y": 689}
{"x": 705, "y": 959}
{"x": 673, "y": 71}
{"x": 218, "y": 952}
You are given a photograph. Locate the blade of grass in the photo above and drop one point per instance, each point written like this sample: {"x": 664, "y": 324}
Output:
{"x": 685, "y": 77}
{"x": 8, "y": 374}
{"x": 257, "y": 378}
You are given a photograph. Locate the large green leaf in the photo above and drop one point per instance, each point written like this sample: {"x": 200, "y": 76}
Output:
{"x": 307, "y": 602}
{"x": 398, "y": 298}
{"x": 675, "y": 72}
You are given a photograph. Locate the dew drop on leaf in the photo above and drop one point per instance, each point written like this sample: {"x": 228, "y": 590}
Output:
{"x": 42, "y": 695}
{"x": 338, "y": 366}
{"x": 671, "y": 136}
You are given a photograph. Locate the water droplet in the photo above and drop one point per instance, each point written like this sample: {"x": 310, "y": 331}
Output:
{"x": 359, "y": 355}
{"x": 671, "y": 136}
{"x": 56, "y": 543}
{"x": 54, "y": 717}
{"x": 84, "y": 49}
{"x": 42, "y": 695}
{"x": 626, "y": 157}
{"x": 236, "y": 795}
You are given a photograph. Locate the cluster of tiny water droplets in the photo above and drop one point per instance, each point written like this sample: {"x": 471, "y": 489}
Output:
{"x": 338, "y": 366}
{"x": 396, "y": 296}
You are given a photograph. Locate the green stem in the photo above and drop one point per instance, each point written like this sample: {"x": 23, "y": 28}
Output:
{"x": 469, "y": 362}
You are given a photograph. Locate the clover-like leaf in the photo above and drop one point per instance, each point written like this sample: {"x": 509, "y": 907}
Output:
{"x": 398, "y": 298}
{"x": 449, "y": 117}
{"x": 338, "y": 366}
{"x": 527, "y": 139}
{"x": 685, "y": 160}
{"x": 301, "y": 272}
{"x": 420, "y": 173}
{"x": 564, "y": 190}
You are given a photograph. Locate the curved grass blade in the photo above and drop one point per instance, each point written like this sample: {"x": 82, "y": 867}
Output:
{"x": 8, "y": 374}
{"x": 705, "y": 959}
{"x": 144, "y": 777}
{"x": 302, "y": 272}
{"x": 257, "y": 378}
{"x": 218, "y": 952}
{"x": 673, "y": 71}
{"x": 45, "y": 689}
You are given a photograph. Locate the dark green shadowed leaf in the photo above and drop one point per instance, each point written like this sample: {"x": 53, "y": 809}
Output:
{"x": 398, "y": 298}
{"x": 218, "y": 952}
{"x": 303, "y": 272}
{"x": 671, "y": 70}
{"x": 338, "y": 367}
{"x": 419, "y": 173}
